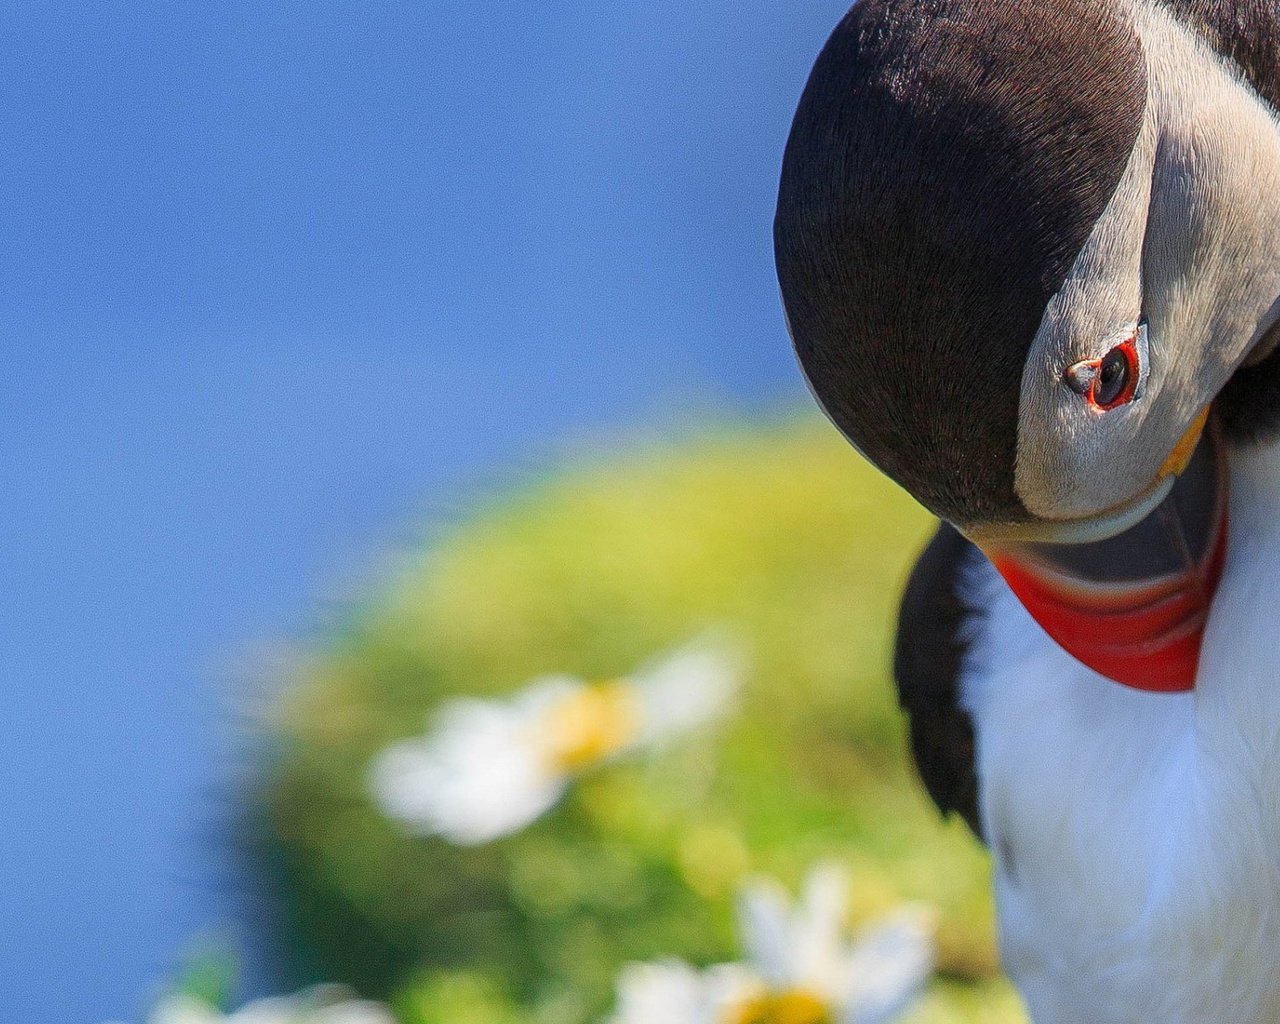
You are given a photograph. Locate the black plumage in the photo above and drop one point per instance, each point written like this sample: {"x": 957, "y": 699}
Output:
{"x": 927, "y": 662}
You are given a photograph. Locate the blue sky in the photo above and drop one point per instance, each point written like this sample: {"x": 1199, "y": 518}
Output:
{"x": 281, "y": 285}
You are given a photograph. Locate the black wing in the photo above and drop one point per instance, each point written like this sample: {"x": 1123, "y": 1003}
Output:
{"x": 927, "y": 662}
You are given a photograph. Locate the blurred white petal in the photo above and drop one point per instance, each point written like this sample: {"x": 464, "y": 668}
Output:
{"x": 354, "y": 1011}
{"x": 273, "y": 1010}
{"x": 539, "y": 694}
{"x": 764, "y": 924}
{"x": 670, "y": 992}
{"x": 183, "y": 1009}
{"x": 817, "y": 927}
{"x": 889, "y": 966}
{"x": 476, "y": 776}
{"x": 728, "y": 987}
{"x": 687, "y": 688}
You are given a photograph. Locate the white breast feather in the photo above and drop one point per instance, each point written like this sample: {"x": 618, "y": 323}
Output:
{"x": 1136, "y": 835}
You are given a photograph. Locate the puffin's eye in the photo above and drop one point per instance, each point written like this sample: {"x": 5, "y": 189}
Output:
{"x": 1115, "y": 374}
{"x": 1111, "y": 380}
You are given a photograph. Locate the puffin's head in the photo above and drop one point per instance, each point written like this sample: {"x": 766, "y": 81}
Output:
{"x": 1023, "y": 245}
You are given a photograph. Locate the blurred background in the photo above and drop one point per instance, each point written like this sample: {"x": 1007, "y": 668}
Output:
{"x": 286, "y": 288}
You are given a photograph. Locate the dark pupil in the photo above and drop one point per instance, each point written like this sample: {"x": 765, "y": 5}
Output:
{"x": 1113, "y": 376}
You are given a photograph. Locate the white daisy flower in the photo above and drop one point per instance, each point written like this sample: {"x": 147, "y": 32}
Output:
{"x": 324, "y": 1004}
{"x": 800, "y": 949}
{"x": 487, "y": 768}
{"x": 799, "y": 968}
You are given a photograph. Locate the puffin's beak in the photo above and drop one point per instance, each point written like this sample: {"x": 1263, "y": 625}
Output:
{"x": 1133, "y": 607}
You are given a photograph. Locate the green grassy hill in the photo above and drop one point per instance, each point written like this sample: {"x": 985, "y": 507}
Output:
{"x": 782, "y": 535}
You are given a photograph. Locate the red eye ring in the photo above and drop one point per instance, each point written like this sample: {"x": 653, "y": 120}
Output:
{"x": 1110, "y": 381}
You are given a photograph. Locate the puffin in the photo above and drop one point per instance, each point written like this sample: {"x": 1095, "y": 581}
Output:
{"x": 1029, "y": 257}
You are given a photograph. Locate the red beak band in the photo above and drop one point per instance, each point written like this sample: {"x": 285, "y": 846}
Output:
{"x": 1133, "y": 607}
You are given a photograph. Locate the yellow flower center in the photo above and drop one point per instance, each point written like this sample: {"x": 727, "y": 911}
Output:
{"x": 589, "y": 726}
{"x": 794, "y": 1006}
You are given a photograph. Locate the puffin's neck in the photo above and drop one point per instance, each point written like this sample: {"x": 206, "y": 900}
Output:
{"x": 1133, "y": 607}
